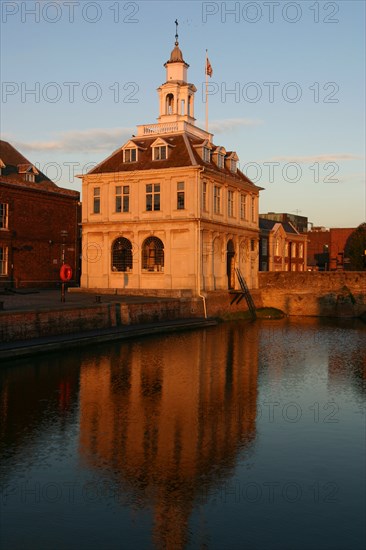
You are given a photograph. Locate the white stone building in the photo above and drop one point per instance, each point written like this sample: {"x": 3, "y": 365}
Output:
{"x": 169, "y": 211}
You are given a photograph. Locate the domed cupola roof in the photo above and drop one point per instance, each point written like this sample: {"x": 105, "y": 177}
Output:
{"x": 176, "y": 56}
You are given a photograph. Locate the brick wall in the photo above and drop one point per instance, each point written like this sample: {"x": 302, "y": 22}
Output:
{"x": 338, "y": 240}
{"x": 33, "y": 237}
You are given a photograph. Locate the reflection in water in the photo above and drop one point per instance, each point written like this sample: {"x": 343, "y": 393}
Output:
{"x": 167, "y": 418}
{"x": 183, "y": 435}
{"x": 34, "y": 399}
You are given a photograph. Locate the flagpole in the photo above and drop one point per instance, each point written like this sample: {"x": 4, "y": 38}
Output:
{"x": 206, "y": 91}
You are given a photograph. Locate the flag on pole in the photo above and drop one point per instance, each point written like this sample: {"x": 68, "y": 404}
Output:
{"x": 208, "y": 67}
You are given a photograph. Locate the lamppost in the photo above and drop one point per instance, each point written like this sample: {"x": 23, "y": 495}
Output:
{"x": 64, "y": 235}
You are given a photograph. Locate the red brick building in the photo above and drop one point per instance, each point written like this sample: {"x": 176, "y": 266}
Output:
{"x": 318, "y": 249}
{"x": 338, "y": 240}
{"x": 38, "y": 224}
{"x": 326, "y": 248}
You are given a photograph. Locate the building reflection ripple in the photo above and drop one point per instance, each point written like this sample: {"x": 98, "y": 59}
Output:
{"x": 164, "y": 419}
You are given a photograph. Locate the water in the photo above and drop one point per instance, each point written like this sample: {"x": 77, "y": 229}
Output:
{"x": 240, "y": 436}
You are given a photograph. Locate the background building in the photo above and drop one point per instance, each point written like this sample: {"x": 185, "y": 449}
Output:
{"x": 299, "y": 222}
{"x": 38, "y": 224}
{"x": 281, "y": 247}
{"x": 332, "y": 249}
{"x": 170, "y": 210}
{"x": 318, "y": 249}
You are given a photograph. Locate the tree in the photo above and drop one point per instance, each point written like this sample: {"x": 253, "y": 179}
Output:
{"x": 355, "y": 249}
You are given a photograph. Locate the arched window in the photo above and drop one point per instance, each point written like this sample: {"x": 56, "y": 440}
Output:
{"x": 121, "y": 255}
{"x": 189, "y": 106}
{"x": 169, "y": 104}
{"x": 153, "y": 254}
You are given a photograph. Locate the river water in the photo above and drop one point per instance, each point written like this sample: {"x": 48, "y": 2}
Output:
{"x": 247, "y": 435}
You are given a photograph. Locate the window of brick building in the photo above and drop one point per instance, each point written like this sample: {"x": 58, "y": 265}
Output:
{"x": 3, "y": 260}
{"x": 29, "y": 176}
{"x": 3, "y": 215}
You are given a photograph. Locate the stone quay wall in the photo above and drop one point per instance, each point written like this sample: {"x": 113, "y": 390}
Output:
{"x": 25, "y": 325}
{"x": 333, "y": 293}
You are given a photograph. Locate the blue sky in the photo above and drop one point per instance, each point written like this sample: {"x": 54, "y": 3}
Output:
{"x": 295, "y": 114}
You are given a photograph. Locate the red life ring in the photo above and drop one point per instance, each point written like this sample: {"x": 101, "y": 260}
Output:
{"x": 65, "y": 273}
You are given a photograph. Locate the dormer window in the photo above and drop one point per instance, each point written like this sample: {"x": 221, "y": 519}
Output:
{"x": 206, "y": 154}
{"x": 220, "y": 160}
{"x": 231, "y": 161}
{"x": 160, "y": 152}
{"x": 218, "y": 156}
{"x": 130, "y": 155}
{"x": 160, "y": 148}
{"x": 28, "y": 171}
{"x": 29, "y": 176}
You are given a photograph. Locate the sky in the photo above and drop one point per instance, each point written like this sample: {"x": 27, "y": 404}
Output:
{"x": 287, "y": 91}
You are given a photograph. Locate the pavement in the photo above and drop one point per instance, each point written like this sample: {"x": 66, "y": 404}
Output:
{"x": 29, "y": 300}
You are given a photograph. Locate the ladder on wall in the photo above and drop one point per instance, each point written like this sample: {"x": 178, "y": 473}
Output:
{"x": 243, "y": 293}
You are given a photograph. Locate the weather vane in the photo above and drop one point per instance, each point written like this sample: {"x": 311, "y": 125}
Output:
{"x": 176, "y": 32}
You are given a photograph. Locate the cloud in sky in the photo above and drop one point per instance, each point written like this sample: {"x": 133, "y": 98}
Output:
{"x": 84, "y": 141}
{"x": 331, "y": 157}
{"x": 100, "y": 140}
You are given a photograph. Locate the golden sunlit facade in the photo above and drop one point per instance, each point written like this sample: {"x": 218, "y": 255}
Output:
{"x": 170, "y": 210}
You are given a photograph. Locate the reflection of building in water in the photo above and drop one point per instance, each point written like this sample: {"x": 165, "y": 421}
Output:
{"x": 31, "y": 399}
{"x": 347, "y": 362}
{"x": 169, "y": 416}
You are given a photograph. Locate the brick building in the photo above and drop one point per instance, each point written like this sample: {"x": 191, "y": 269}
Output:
{"x": 281, "y": 247}
{"x": 38, "y": 224}
{"x": 318, "y": 249}
{"x": 326, "y": 248}
{"x": 338, "y": 240}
